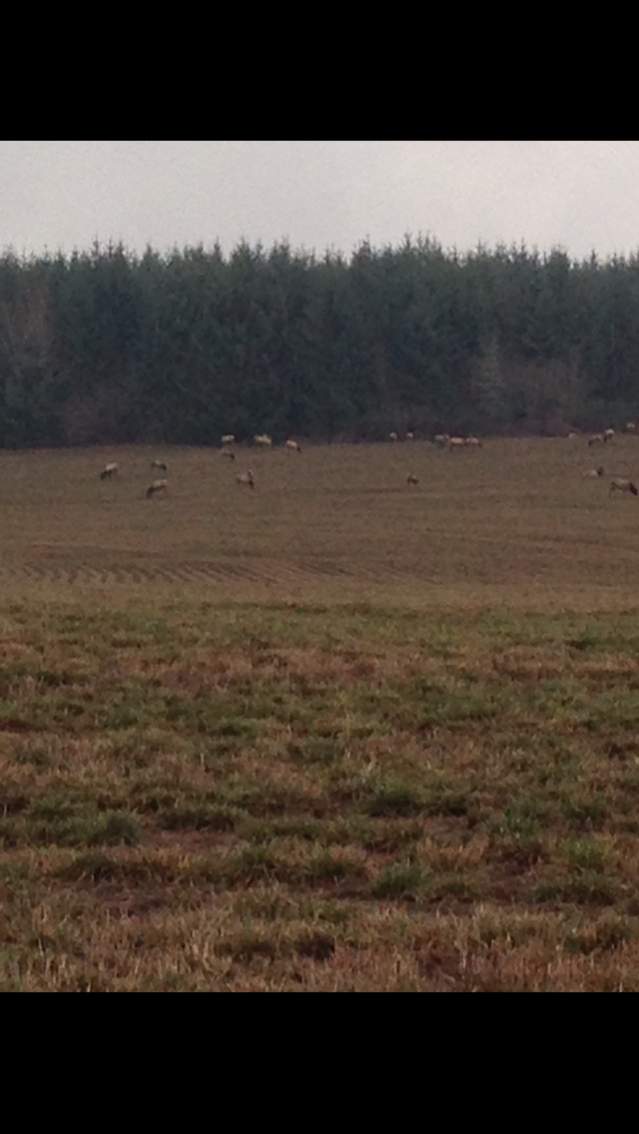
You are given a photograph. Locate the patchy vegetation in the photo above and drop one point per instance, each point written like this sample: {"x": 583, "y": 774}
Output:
{"x": 333, "y": 734}
{"x": 291, "y": 796}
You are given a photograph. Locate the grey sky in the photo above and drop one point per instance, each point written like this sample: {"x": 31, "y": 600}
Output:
{"x": 579, "y": 194}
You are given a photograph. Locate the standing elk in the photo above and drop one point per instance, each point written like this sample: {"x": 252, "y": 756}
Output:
{"x": 608, "y": 434}
{"x": 412, "y": 479}
{"x": 473, "y": 442}
{"x": 410, "y": 436}
{"x": 246, "y": 478}
{"x": 630, "y": 427}
{"x": 294, "y": 446}
{"x": 263, "y": 439}
{"x": 160, "y": 465}
{"x": 441, "y": 439}
{"x": 108, "y": 471}
{"x": 228, "y": 438}
{"x": 456, "y": 443}
{"x": 596, "y": 439}
{"x": 393, "y": 437}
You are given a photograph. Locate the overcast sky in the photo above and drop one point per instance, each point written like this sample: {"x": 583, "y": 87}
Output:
{"x": 577, "y": 194}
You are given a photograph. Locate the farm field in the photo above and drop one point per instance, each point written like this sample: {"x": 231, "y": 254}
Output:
{"x": 334, "y": 733}
{"x": 516, "y": 516}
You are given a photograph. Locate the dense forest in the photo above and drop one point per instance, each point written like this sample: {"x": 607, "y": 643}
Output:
{"x": 111, "y": 346}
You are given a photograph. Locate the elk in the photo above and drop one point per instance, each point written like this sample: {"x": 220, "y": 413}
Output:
{"x": 596, "y": 439}
{"x": 246, "y": 478}
{"x": 456, "y": 443}
{"x": 410, "y": 436}
{"x": 393, "y": 437}
{"x": 594, "y": 472}
{"x": 157, "y": 486}
{"x": 263, "y": 439}
{"x": 473, "y": 441}
{"x": 108, "y": 471}
{"x": 160, "y": 465}
{"x": 441, "y": 439}
{"x": 630, "y": 427}
{"x": 412, "y": 479}
{"x": 294, "y": 446}
{"x": 619, "y": 484}
{"x": 228, "y": 438}
{"x": 608, "y": 434}
{"x": 229, "y": 454}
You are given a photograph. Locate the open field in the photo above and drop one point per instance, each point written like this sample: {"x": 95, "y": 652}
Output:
{"x": 333, "y": 734}
{"x": 515, "y": 515}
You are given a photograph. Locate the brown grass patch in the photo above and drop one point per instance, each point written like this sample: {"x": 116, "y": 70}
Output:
{"x": 332, "y": 737}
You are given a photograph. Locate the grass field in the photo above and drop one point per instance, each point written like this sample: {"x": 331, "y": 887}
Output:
{"x": 332, "y": 734}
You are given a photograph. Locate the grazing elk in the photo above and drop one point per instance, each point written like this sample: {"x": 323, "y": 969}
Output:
{"x": 619, "y": 484}
{"x": 246, "y": 478}
{"x": 157, "y": 486}
{"x": 594, "y": 472}
{"x": 160, "y": 465}
{"x": 412, "y": 479}
{"x": 294, "y": 446}
{"x": 108, "y": 471}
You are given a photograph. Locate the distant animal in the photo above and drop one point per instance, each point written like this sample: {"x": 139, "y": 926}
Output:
{"x": 229, "y": 454}
{"x": 393, "y": 437}
{"x": 596, "y": 439}
{"x": 228, "y": 438}
{"x": 412, "y": 479}
{"x": 608, "y": 434}
{"x": 263, "y": 439}
{"x": 410, "y": 436}
{"x": 571, "y": 436}
{"x": 474, "y": 441}
{"x": 108, "y": 471}
{"x": 294, "y": 446}
{"x": 619, "y": 484}
{"x": 456, "y": 443}
{"x": 630, "y": 427}
{"x": 159, "y": 465}
{"x": 157, "y": 486}
{"x": 441, "y": 439}
{"x": 595, "y": 472}
{"x": 246, "y": 478}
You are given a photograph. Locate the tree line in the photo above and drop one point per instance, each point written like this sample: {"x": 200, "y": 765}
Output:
{"x": 108, "y": 346}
